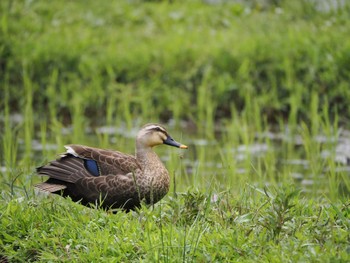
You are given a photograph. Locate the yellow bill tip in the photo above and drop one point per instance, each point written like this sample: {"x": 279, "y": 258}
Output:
{"x": 182, "y": 146}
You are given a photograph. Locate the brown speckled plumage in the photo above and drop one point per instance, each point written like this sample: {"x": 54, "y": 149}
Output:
{"x": 116, "y": 180}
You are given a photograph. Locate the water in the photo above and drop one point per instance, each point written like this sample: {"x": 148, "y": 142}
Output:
{"x": 264, "y": 160}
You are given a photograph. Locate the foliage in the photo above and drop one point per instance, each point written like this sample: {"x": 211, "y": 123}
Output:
{"x": 203, "y": 229}
{"x": 131, "y": 54}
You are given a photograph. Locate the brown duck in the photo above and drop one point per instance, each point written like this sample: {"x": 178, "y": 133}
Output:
{"x": 112, "y": 179}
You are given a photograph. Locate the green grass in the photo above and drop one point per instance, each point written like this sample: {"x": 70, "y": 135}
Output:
{"x": 254, "y": 225}
{"x": 259, "y": 93}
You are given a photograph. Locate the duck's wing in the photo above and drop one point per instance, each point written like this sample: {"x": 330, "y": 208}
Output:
{"x": 109, "y": 161}
{"x": 91, "y": 166}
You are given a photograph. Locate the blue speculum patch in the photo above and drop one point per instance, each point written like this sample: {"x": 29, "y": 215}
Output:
{"x": 92, "y": 167}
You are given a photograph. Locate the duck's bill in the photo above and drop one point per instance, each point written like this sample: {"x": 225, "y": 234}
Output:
{"x": 170, "y": 141}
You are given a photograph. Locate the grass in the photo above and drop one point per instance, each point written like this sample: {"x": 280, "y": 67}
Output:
{"x": 259, "y": 93}
{"x": 264, "y": 225}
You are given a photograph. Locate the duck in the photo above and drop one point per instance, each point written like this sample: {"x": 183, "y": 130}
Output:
{"x": 111, "y": 179}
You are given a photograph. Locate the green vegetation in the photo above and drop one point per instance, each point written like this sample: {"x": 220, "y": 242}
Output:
{"x": 252, "y": 226}
{"x": 220, "y": 56}
{"x": 265, "y": 86}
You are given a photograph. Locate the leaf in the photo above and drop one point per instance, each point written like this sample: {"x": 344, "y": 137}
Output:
{"x": 244, "y": 218}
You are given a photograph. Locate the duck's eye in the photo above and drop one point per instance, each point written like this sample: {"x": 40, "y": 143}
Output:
{"x": 158, "y": 129}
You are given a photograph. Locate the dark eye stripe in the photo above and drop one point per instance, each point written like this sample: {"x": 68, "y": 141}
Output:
{"x": 162, "y": 130}
{"x": 157, "y": 128}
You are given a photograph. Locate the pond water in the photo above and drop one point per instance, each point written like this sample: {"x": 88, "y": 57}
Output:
{"x": 269, "y": 157}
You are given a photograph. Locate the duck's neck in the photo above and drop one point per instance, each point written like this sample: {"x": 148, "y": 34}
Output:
{"x": 154, "y": 173}
{"x": 147, "y": 157}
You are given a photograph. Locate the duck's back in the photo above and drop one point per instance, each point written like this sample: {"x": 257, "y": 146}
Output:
{"x": 92, "y": 175}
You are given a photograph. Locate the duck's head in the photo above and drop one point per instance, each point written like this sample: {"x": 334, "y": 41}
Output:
{"x": 154, "y": 134}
